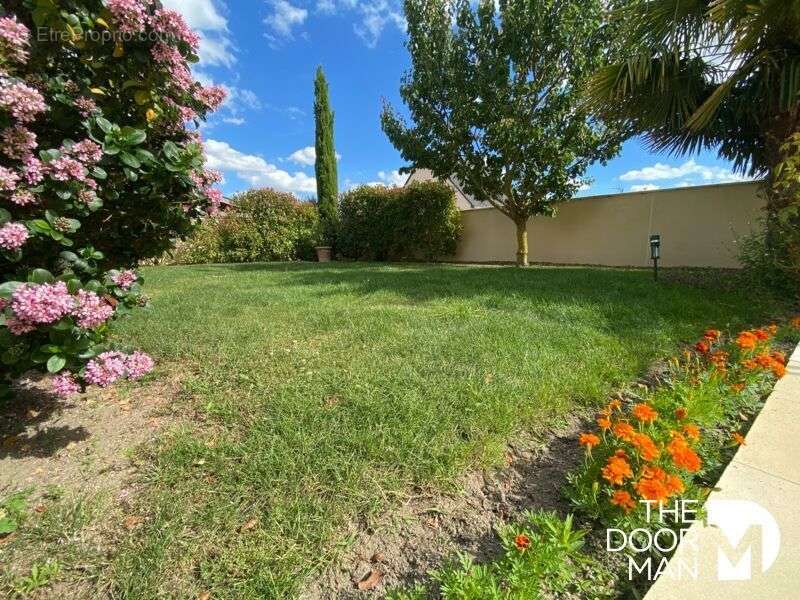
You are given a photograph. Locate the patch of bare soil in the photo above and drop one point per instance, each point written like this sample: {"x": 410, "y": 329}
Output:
{"x": 427, "y": 529}
{"x": 80, "y": 445}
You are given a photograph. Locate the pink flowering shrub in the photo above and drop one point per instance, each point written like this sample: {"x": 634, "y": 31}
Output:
{"x": 101, "y": 166}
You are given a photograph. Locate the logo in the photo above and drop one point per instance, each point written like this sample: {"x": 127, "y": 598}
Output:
{"x": 747, "y": 543}
{"x": 752, "y": 538}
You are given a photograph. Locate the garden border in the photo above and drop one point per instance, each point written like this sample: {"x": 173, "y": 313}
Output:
{"x": 762, "y": 471}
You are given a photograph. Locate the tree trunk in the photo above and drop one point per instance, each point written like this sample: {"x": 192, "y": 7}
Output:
{"x": 522, "y": 242}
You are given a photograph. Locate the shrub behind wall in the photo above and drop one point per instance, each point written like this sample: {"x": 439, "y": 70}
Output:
{"x": 416, "y": 222}
{"x": 261, "y": 225}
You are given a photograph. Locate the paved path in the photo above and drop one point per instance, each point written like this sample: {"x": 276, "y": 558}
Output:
{"x": 765, "y": 471}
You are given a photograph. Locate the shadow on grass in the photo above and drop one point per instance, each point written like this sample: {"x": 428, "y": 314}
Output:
{"x": 628, "y": 299}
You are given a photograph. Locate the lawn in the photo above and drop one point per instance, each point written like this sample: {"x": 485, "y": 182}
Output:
{"x": 319, "y": 393}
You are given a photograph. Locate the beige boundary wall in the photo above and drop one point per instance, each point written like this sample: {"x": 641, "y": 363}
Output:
{"x": 699, "y": 227}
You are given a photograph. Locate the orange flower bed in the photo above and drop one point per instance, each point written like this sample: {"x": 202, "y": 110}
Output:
{"x": 650, "y": 450}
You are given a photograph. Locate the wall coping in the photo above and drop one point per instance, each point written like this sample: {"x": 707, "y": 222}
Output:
{"x": 640, "y": 193}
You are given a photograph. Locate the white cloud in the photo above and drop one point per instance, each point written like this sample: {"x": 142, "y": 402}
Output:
{"x": 327, "y": 7}
{"x": 204, "y": 16}
{"x": 392, "y": 177}
{"x": 661, "y": 172}
{"x": 305, "y": 156}
{"x": 285, "y": 16}
{"x": 256, "y": 171}
{"x": 217, "y": 50}
{"x": 233, "y": 120}
{"x": 199, "y": 14}
{"x": 374, "y": 17}
{"x": 645, "y": 187}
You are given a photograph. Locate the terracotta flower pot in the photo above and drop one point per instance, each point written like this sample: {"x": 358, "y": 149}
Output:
{"x": 323, "y": 253}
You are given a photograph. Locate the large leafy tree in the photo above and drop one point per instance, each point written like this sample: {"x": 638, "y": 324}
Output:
{"x": 325, "y": 167}
{"x": 494, "y": 95}
{"x": 713, "y": 74}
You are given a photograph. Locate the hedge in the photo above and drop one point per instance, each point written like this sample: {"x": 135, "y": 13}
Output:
{"x": 261, "y": 225}
{"x": 416, "y": 222}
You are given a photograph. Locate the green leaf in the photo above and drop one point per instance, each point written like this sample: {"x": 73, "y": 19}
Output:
{"x": 56, "y": 363}
{"x": 132, "y": 136}
{"x": 130, "y": 160}
{"x": 99, "y": 173}
{"x": 5, "y": 216}
{"x": 41, "y": 276}
{"x": 7, "y": 288}
{"x": 104, "y": 124}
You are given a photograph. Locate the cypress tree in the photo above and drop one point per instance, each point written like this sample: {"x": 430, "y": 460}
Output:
{"x": 325, "y": 167}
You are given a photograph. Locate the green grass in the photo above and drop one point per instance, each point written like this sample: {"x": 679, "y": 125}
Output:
{"x": 321, "y": 392}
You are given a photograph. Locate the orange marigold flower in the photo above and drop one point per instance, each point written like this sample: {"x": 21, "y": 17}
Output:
{"x": 644, "y": 412}
{"x": 620, "y": 453}
{"x": 795, "y": 322}
{"x": 645, "y": 445}
{"x": 674, "y": 484}
{"x": 615, "y": 404}
{"x": 624, "y": 431}
{"x": 778, "y": 369}
{"x": 522, "y": 542}
{"x": 764, "y": 360}
{"x": 746, "y": 340}
{"x": 702, "y": 346}
{"x": 719, "y": 358}
{"x": 761, "y": 334}
{"x": 683, "y": 456}
{"x": 589, "y": 440}
{"x": 691, "y": 431}
{"x": 738, "y": 438}
{"x": 651, "y": 488}
{"x": 738, "y": 387}
{"x": 712, "y": 334}
{"x": 779, "y": 357}
{"x": 773, "y": 329}
{"x": 680, "y": 413}
{"x": 604, "y": 423}
{"x": 750, "y": 364}
{"x": 617, "y": 470}
{"x": 623, "y": 499}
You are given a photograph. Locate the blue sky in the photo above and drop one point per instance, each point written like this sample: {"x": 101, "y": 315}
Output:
{"x": 266, "y": 52}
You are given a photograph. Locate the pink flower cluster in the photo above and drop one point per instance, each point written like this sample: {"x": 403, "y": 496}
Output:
{"x": 139, "y": 364}
{"x": 32, "y": 170}
{"x": 23, "y": 198}
{"x": 66, "y": 168}
{"x": 214, "y": 196}
{"x": 14, "y": 39}
{"x": 110, "y": 367}
{"x": 64, "y": 385}
{"x": 166, "y": 54}
{"x": 22, "y": 101}
{"x": 8, "y": 180}
{"x": 205, "y": 178}
{"x": 86, "y": 151}
{"x": 130, "y": 16}
{"x": 91, "y": 310}
{"x": 124, "y": 279}
{"x": 212, "y": 96}
{"x": 42, "y": 303}
{"x": 170, "y": 23}
{"x": 86, "y": 106}
{"x": 18, "y": 142}
{"x": 13, "y": 236}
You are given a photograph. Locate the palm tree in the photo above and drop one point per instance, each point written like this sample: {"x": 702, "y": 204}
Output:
{"x": 694, "y": 74}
